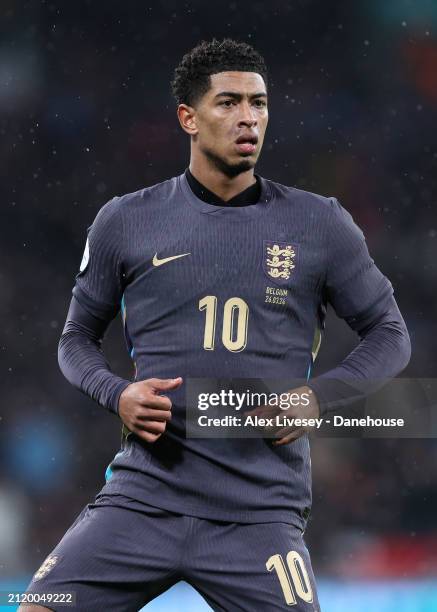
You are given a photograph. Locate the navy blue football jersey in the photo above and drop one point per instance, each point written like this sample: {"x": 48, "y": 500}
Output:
{"x": 212, "y": 291}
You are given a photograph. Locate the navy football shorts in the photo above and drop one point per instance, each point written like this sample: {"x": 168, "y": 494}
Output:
{"x": 120, "y": 554}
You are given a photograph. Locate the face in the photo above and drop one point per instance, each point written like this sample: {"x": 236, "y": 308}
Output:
{"x": 230, "y": 120}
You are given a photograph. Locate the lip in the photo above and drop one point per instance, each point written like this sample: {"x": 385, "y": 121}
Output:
{"x": 246, "y": 147}
{"x": 246, "y": 143}
{"x": 252, "y": 138}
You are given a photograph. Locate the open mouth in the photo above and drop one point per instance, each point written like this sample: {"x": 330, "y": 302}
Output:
{"x": 246, "y": 143}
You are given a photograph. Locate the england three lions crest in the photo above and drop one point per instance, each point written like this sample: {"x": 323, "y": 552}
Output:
{"x": 278, "y": 260}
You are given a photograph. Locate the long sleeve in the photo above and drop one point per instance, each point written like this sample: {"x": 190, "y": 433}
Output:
{"x": 96, "y": 300}
{"x": 363, "y": 297}
{"x": 82, "y": 361}
{"x": 383, "y": 352}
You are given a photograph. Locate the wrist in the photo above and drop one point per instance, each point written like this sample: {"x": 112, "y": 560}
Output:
{"x": 114, "y": 403}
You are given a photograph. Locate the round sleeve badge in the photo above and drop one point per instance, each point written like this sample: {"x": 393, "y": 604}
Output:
{"x": 46, "y": 567}
{"x": 85, "y": 257}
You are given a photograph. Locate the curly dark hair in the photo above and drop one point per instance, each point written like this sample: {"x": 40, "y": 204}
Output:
{"x": 191, "y": 78}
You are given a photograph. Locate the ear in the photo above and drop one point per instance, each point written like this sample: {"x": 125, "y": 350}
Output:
{"x": 187, "y": 119}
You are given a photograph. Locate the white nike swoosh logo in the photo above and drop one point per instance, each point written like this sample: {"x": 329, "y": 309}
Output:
{"x": 159, "y": 262}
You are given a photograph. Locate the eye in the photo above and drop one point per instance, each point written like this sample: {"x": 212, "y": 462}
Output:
{"x": 227, "y": 103}
{"x": 260, "y": 103}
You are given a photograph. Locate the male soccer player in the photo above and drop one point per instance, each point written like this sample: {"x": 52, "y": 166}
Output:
{"x": 193, "y": 263}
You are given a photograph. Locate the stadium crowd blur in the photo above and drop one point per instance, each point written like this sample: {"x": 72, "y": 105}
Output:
{"x": 86, "y": 113}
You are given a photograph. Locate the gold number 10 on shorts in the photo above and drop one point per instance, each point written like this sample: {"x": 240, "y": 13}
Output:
{"x": 293, "y": 582}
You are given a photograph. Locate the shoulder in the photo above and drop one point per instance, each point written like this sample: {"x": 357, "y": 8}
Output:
{"x": 327, "y": 209}
{"x": 114, "y": 210}
{"x": 313, "y": 202}
{"x": 147, "y": 195}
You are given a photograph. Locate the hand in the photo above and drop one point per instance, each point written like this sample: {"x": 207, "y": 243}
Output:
{"x": 285, "y": 435}
{"x": 143, "y": 410}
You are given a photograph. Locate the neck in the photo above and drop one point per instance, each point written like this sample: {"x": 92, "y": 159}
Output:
{"x": 213, "y": 179}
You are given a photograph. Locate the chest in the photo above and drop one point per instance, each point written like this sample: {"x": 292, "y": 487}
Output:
{"x": 266, "y": 264}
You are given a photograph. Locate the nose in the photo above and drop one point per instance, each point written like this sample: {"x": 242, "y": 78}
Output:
{"x": 247, "y": 116}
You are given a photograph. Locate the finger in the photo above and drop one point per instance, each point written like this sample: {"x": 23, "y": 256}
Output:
{"x": 270, "y": 430}
{"x": 155, "y": 427}
{"x": 252, "y": 413}
{"x": 165, "y": 384}
{"x": 154, "y": 415}
{"x": 159, "y": 402}
{"x": 147, "y": 436}
{"x": 290, "y": 437}
{"x": 284, "y": 431}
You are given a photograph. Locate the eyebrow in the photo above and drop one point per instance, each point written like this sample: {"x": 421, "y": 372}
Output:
{"x": 233, "y": 94}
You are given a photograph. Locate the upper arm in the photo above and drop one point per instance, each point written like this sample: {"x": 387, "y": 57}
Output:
{"x": 354, "y": 284}
{"x": 99, "y": 283}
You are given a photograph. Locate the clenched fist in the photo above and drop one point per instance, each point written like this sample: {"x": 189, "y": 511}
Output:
{"x": 143, "y": 410}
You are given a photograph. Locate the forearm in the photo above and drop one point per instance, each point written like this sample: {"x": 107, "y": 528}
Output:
{"x": 384, "y": 351}
{"x": 82, "y": 361}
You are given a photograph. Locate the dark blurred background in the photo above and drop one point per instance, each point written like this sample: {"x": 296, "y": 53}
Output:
{"x": 86, "y": 113}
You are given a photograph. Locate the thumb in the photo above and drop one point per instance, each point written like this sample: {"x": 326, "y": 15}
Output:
{"x": 168, "y": 383}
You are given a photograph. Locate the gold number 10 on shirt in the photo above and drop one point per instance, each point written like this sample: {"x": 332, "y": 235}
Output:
{"x": 235, "y": 321}
{"x": 296, "y": 580}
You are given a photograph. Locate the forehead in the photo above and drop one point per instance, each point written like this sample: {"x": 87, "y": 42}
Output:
{"x": 238, "y": 82}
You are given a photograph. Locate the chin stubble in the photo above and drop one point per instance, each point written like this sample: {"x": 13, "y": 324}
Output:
{"x": 229, "y": 170}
